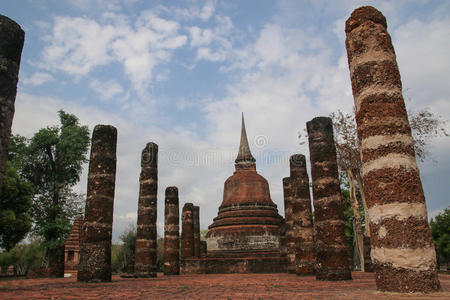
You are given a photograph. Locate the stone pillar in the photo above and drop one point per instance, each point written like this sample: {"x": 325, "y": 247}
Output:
{"x": 56, "y": 261}
{"x": 203, "y": 248}
{"x": 196, "y": 226}
{"x": 145, "y": 264}
{"x": 289, "y": 225}
{"x": 402, "y": 247}
{"x": 171, "y": 232}
{"x": 96, "y": 233}
{"x": 11, "y": 44}
{"x": 368, "y": 266}
{"x": 187, "y": 234}
{"x": 302, "y": 214}
{"x": 283, "y": 249}
{"x": 332, "y": 254}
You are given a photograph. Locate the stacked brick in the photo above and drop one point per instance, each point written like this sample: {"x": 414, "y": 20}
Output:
{"x": 196, "y": 227}
{"x": 171, "y": 232}
{"x": 146, "y": 260}
{"x": 56, "y": 261}
{"x": 96, "y": 233}
{"x": 289, "y": 239}
{"x": 302, "y": 216}
{"x": 187, "y": 233}
{"x": 402, "y": 247}
{"x": 332, "y": 254}
{"x": 11, "y": 44}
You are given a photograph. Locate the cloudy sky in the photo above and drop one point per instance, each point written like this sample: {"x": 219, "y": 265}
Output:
{"x": 179, "y": 73}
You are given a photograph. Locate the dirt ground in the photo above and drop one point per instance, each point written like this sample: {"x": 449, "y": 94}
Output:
{"x": 209, "y": 286}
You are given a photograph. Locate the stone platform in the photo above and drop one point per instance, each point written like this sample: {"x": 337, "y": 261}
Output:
{"x": 209, "y": 286}
{"x": 235, "y": 262}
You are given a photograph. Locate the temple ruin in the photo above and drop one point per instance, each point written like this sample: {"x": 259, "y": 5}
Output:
{"x": 402, "y": 247}
{"x": 171, "y": 232}
{"x": 332, "y": 253}
{"x": 72, "y": 247}
{"x": 12, "y": 37}
{"x": 145, "y": 258}
{"x": 96, "y": 233}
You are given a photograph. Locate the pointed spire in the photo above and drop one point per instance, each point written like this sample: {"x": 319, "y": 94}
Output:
{"x": 244, "y": 156}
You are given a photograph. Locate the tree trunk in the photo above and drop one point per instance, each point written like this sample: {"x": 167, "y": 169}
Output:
{"x": 357, "y": 227}
{"x": 363, "y": 198}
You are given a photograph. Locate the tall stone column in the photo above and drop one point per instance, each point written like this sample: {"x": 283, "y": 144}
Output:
{"x": 332, "y": 254}
{"x": 11, "y": 44}
{"x": 145, "y": 264}
{"x": 187, "y": 234}
{"x": 289, "y": 225}
{"x": 171, "y": 232}
{"x": 302, "y": 215}
{"x": 196, "y": 227}
{"x": 96, "y": 233}
{"x": 402, "y": 247}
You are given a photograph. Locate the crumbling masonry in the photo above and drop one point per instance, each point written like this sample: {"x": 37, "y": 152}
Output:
{"x": 96, "y": 233}
{"x": 402, "y": 247}
{"x": 187, "y": 233}
{"x": 145, "y": 260}
{"x": 289, "y": 233}
{"x": 332, "y": 253}
{"x": 196, "y": 227}
{"x": 171, "y": 232}
{"x": 11, "y": 44}
{"x": 302, "y": 215}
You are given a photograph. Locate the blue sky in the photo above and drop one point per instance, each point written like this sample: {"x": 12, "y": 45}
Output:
{"x": 179, "y": 73}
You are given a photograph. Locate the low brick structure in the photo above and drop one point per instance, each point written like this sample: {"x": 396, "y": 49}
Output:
{"x": 332, "y": 254}
{"x": 12, "y": 38}
{"x": 56, "y": 261}
{"x": 96, "y": 233}
{"x": 402, "y": 246}
{"x": 145, "y": 259}
{"x": 171, "y": 232}
{"x": 72, "y": 247}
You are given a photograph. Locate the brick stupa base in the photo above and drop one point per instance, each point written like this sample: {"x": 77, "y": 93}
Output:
{"x": 236, "y": 262}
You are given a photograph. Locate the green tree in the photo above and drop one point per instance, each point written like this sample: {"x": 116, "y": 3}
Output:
{"x": 440, "y": 229}
{"x": 15, "y": 206}
{"x": 123, "y": 260}
{"x": 52, "y": 162}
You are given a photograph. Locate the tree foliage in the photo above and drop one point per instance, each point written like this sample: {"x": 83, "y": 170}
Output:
{"x": 52, "y": 162}
{"x": 15, "y": 208}
{"x": 440, "y": 229}
{"x": 23, "y": 257}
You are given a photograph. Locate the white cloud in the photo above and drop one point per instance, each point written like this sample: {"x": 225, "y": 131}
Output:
{"x": 106, "y": 89}
{"x": 78, "y": 45}
{"x": 38, "y": 78}
{"x": 200, "y": 37}
{"x": 194, "y": 12}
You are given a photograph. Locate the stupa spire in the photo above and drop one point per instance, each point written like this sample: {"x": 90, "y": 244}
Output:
{"x": 244, "y": 156}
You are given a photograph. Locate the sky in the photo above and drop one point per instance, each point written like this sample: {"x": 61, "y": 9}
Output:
{"x": 180, "y": 73}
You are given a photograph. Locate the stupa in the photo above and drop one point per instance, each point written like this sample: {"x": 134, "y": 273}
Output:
{"x": 245, "y": 235}
{"x": 248, "y": 221}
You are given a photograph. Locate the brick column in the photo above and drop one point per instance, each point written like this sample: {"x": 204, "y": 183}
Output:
{"x": 196, "y": 227}
{"x": 402, "y": 247}
{"x": 96, "y": 233}
{"x": 187, "y": 234}
{"x": 171, "y": 232}
{"x": 11, "y": 44}
{"x": 289, "y": 225}
{"x": 332, "y": 254}
{"x": 145, "y": 259}
{"x": 302, "y": 214}
{"x": 203, "y": 248}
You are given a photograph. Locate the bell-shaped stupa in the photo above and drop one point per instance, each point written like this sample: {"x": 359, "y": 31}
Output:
{"x": 248, "y": 220}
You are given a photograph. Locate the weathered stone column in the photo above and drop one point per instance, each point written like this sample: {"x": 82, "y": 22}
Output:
{"x": 196, "y": 227}
{"x": 402, "y": 247}
{"x": 11, "y": 44}
{"x": 332, "y": 254}
{"x": 56, "y": 260}
{"x": 187, "y": 234}
{"x": 302, "y": 215}
{"x": 368, "y": 265}
{"x": 283, "y": 250}
{"x": 145, "y": 259}
{"x": 171, "y": 232}
{"x": 203, "y": 248}
{"x": 289, "y": 225}
{"x": 96, "y": 233}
